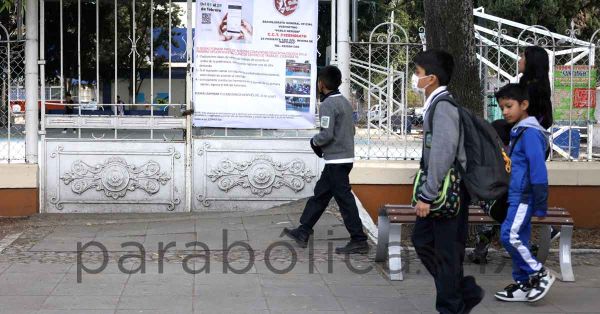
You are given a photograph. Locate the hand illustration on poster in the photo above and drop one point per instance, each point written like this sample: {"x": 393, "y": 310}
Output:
{"x": 235, "y": 29}
{"x": 226, "y": 21}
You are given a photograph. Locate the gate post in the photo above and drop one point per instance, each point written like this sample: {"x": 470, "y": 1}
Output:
{"x": 31, "y": 81}
{"x": 343, "y": 43}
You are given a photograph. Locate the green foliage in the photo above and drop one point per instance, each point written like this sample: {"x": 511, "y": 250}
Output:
{"x": 106, "y": 37}
{"x": 556, "y": 15}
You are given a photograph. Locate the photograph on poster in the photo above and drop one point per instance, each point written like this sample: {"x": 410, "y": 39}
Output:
{"x": 293, "y": 68}
{"x": 301, "y": 104}
{"x": 297, "y": 86}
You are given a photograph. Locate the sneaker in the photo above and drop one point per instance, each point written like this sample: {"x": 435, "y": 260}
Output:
{"x": 472, "y": 293}
{"x": 516, "y": 292}
{"x": 358, "y": 247}
{"x": 540, "y": 285}
{"x": 297, "y": 235}
{"x": 554, "y": 234}
{"x": 64, "y": 131}
{"x": 74, "y": 131}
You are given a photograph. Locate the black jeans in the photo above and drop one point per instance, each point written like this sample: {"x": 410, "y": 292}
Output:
{"x": 440, "y": 244}
{"x": 334, "y": 182}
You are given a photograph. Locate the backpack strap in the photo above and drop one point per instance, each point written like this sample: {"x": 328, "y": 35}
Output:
{"x": 514, "y": 144}
{"x": 443, "y": 96}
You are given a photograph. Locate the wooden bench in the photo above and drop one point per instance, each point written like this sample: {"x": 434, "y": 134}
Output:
{"x": 392, "y": 217}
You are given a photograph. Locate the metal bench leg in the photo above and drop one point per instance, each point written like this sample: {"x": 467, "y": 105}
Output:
{"x": 395, "y": 248}
{"x": 544, "y": 246}
{"x": 383, "y": 233}
{"x": 566, "y": 268}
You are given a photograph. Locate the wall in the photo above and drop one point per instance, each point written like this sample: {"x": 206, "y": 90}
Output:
{"x": 18, "y": 190}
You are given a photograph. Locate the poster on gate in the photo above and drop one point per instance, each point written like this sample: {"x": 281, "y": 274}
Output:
{"x": 255, "y": 64}
{"x": 574, "y": 85}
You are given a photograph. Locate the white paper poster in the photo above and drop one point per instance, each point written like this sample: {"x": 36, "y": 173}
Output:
{"x": 255, "y": 63}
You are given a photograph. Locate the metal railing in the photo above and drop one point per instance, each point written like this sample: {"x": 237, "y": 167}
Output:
{"x": 12, "y": 118}
{"x": 388, "y": 113}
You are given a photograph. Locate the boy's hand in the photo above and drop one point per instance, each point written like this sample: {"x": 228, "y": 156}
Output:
{"x": 422, "y": 209}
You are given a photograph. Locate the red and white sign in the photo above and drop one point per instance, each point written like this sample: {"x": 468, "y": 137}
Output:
{"x": 584, "y": 98}
{"x": 286, "y": 7}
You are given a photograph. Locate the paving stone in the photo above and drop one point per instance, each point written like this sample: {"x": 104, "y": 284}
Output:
{"x": 46, "y": 268}
{"x": 87, "y": 311}
{"x": 364, "y": 291}
{"x": 11, "y": 304}
{"x": 170, "y": 304}
{"x": 171, "y": 227}
{"x": 4, "y": 266}
{"x": 32, "y": 284}
{"x": 92, "y": 285}
{"x": 162, "y": 284}
{"x": 61, "y": 244}
{"x": 304, "y": 304}
{"x": 80, "y": 303}
{"x": 359, "y": 304}
{"x": 208, "y": 304}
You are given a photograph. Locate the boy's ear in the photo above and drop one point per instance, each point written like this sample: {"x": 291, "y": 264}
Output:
{"x": 434, "y": 79}
{"x": 525, "y": 104}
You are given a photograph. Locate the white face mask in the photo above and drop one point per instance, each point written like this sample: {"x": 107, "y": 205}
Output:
{"x": 415, "y": 84}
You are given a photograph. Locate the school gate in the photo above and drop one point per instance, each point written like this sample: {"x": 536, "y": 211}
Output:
{"x": 137, "y": 153}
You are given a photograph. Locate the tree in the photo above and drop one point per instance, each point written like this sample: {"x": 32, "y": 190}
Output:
{"x": 453, "y": 31}
{"x": 106, "y": 40}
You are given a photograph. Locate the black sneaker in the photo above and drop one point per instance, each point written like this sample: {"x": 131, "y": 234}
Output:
{"x": 358, "y": 247}
{"x": 540, "y": 285}
{"x": 516, "y": 292}
{"x": 472, "y": 293}
{"x": 297, "y": 235}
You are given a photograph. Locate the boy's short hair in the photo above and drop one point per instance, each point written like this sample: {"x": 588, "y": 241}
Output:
{"x": 331, "y": 76}
{"x": 512, "y": 92}
{"x": 436, "y": 62}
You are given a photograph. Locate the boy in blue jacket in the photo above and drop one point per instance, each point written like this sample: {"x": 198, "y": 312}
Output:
{"x": 527, "y": 196}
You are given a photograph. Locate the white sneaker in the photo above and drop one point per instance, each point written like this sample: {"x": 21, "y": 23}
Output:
{"x": 516, "y": 292}
{"x": 64, "y": 131}
{"x": 74, "y": 131}
{"x": 540, "y": 285}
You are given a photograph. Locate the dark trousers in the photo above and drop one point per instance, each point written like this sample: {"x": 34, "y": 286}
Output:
{"x": 334, "y": 182}
{"x": 440, "y": 244}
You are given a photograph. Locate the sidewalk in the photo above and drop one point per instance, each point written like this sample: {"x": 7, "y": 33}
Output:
{"x": 39, "y": 271}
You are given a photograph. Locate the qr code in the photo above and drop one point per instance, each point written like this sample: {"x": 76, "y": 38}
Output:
{"x": 206, "y": 18}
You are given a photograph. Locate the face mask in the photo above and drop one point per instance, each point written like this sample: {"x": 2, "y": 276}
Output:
{"x": 415, "y": 84}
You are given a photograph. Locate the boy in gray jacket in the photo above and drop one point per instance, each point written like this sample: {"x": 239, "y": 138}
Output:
{"x": 336, "y": 142}
{"x": 440, "y": 242}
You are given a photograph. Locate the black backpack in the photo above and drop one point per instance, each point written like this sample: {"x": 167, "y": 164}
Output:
{"x": 487, "y": 175}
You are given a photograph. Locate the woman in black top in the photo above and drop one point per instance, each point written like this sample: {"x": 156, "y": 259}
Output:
{"x": 534, "y": 64}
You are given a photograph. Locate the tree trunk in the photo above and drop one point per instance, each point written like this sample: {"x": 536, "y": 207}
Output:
{"x": 449, "y": 26}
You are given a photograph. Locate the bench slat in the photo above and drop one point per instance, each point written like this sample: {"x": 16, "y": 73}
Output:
{"x": 472, "y": 212}
{"x": 398, "y": 206}
{"x": 488, "y": 220}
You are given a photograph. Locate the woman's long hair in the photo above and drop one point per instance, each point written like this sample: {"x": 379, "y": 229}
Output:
{"x": 535, "y": 78}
